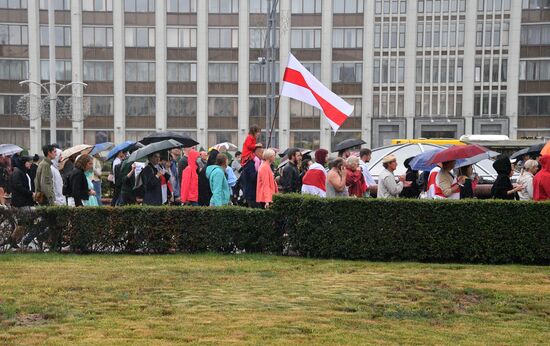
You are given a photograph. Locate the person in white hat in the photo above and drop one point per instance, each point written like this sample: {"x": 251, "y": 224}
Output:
{"x": 388, "y": 187}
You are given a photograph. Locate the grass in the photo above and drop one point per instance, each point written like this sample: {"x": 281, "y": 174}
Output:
{"x": 252, "y": 299}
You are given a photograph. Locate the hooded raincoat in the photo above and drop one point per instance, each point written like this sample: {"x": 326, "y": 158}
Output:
{"x": 205, "y": 192}
{"x": 189, "y": 191}
{"x": 221, "y": 193}
{"x": 541, "y": 182}
{"x": 503, "y": 184}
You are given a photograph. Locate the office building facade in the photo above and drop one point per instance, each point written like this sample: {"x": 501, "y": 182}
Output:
{"x": 411, "y": 68}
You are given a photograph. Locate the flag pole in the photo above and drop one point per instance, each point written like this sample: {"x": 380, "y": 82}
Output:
{"x": 273, "y": 121}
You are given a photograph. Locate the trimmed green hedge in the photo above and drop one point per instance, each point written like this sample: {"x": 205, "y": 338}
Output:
{"x": 139, "y": 229}
{"x": 474, "y": 231}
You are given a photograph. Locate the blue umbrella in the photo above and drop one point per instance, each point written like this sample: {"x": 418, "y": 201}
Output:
{"x": 120, "y": 147}
{"x": 101, "y": 147}
{"x": 421, "y": 161}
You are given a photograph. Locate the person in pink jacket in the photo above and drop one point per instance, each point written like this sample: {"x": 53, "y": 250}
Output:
{"x": 266, "y": 186}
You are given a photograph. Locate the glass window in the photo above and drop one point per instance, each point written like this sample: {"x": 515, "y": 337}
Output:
{"x": 140, "y": 105}
{"x": 181, "y": 106}
{"x": 13, "y": 69}
{"x": 62, "y": 36}
{"x": 306, "y": 6}
{"x": 101, "y": 106}
{"x": 58, "y": 4}
{"x": 347, "y": 72}
{"x": 222, "y": 72}
{"x": 223, "y": 6}
{"x": 181, "y": 6}
{"x": 140, "y": 72}
{"x": 305, "y": 38}
{"x": 97, "y": 5}
{"x": 181, "y": 72}
{"x": 223, "y": 38}
{"x": 98, "y": 71}
{"x": 140, "y": 37}
{"x": 222, "y": 106}
{"x": 13, "y": 34}
{"x": 139, "y": 5}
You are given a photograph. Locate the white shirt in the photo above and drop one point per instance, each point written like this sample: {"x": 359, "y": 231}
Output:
{"x": 116, "y": 162}
{"x": 526, "y": 180}
{"x": 366, "y": 173}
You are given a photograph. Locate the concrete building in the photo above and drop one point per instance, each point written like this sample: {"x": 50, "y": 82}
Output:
{"x": 411, "y": 68}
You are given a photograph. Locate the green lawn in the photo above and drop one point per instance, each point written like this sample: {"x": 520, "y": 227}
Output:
{"x": 213, "y": 299}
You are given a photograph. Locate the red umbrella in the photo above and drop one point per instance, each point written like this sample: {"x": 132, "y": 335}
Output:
{"x": 457, "y": 152}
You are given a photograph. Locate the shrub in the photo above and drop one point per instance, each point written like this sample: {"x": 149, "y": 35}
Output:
{"x": 417, "y": 230}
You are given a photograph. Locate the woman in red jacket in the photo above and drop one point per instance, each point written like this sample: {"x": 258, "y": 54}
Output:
{"x": 250, "y": 144}
{"x": 541, "y": 182}
{"x": 355, "y": 181}
{"x": 189, "y": 191}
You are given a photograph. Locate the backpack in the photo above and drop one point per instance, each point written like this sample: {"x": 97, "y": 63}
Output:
{"x": 67, "y": 186}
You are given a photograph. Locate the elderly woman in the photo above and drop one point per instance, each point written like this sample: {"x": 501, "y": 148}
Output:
{"x": 388, "y": 187}
{"x": 530, "y": 168}
{"x": 355, "y": 181}
{"x": 266, "y": 186}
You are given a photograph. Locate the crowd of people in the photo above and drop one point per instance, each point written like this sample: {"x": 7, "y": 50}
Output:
{"x": 198, "y": 178}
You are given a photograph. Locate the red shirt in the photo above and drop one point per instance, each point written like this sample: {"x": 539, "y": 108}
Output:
{"x": 541, "y": 182}
{"x": 248, "y": 149}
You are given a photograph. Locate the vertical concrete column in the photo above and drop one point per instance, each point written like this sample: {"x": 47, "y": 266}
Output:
{"x": 368, "y": 55}
{"x": 514, "y": 45}
{"x": 202, "y": 73}
{"x": 326, "y": 67}
{"x": 76, "y": 56}
{"x": 119, "y": 78}
{"x": 34, "y": 75}
{"x": 160, "y": 66}
{"x": 243, "y": 103}
{"x": 410, "y": 70}
{"x": 469, "y": 66}
{"x": 285, "y": 16}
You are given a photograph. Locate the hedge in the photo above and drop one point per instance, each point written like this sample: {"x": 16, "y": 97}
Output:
{"x": 139, "y": 229}
{"x": 473, "y": 231}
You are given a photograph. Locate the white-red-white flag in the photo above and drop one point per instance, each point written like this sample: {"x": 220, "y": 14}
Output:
{"x": 300, "y": 84}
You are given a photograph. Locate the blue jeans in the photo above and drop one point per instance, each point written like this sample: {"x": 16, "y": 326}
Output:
{"x": 97, "y": 189}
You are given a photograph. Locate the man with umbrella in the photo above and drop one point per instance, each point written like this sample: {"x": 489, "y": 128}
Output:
{"x": 344, "y": 147}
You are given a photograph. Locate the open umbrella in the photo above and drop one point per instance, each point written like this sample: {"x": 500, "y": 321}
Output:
{"x": 475, "y": 159}
{"x": 285, "y": 161}
{"x": 422, "y": 162}
{"x": 303, "y": 151}
{"x": 124, "y": 146}
{"x": 9, "y": 149}
{"x": 185, "y": 141}
{"x": 225, "y": 146}
{"x": 348, "y": 143}
{"x": 518, "y": 154}
{"x": 101, "y": 147}
{"x": 77, "y": 149}
{"x": 535, "y": 150}
{"x": 153, "y": 148}
{"x": 457, "y": 152}
{"x": 546, "y": 150}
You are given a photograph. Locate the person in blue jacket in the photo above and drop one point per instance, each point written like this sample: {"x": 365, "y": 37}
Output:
{"x": 221, "y": 192}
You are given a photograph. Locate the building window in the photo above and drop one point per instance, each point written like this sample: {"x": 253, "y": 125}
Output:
{"x": 181, "y": 37}
{"x": 181, "y": 6}
{"x": 259, "y": 6}
{"x": 314, "y": 68}
{"x": 386, "y": 35}
{"x": 534, "y": 105}
{"x": 487, "y": 104}
{"x": 98, "y": 106}
{"x": 224, "y": 72}
{"x": 390, "y": 7}
{"x": 257, "y": 107}
{"x": 347, "y": 38}
{"x": 8, "y": 105}
{"x": 140, "y": 37}
{"x": 223, "y": 38}
{"x": 98, "y": 71}
{"x": 13, "y": 4}
{"x": 389, "y": 71}
{"x": 140, "y": 106}
{"x": 257, "y": 38}
{"x": 258, "y": 72}
{"x": 347, "y": 6}
{"x": 62, "y": 36}
{"x": 347, "y": 72}
{"x": 14, "y": 69}
{"x": 62, "y": 70}
{"x": 58, "y": 5}
{"x": 97, "y": 5}
{"x": 181, "y": 106}
{"x": 222, "y": 106}
{"x": 497, "y": 5}
{"x": 97, "y": 36}
{"x": 534, "y": 70}
{"x": 535, "y": 4}
{"x": 429, "y": 6}
{"x": 357, "y": 104}
{"x": 139, "y": 5}
{"x": 181, "y": 72}
{"x": 16, "y": 35}
{"x": 305, "y": 38}
{"x": 535, "y": 34}
{"x": 140, "y": 72}
{"x": 223, "y": 6}
{"x": 306, "y": 6}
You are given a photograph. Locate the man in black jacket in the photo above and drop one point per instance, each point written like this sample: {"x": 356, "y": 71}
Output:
{"x": 150, "y": 176}
{"x": 290, "y": 178}
{"x": 21, "y": 184}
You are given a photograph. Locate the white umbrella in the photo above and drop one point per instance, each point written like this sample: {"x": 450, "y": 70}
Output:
{"x": 225, "y": 146}
{"x": 9, "y": 149}
{"x": 77, "y": 149}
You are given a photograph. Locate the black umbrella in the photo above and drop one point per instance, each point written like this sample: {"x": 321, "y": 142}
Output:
{"x": 303, "y": 151}
{"x": 185, "y": 141}
{"x": 535, "y": 149}
{"x": 518, "y": 154}
{"x": 348, "y": 143}
{"x": 153, "y": 148}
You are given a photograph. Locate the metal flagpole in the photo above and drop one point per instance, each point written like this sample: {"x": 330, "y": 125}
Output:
{"x": 271, "y": 107}
{"x": 53, "y": 85}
